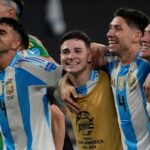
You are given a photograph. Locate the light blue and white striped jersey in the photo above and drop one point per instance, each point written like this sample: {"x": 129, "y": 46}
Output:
{"x": 127, "y": 84}
{"x": 90, "y": 84}
{"x": 24, "y": 116}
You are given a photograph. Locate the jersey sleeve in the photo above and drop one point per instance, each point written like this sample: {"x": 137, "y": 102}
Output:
{"x": 42, "y": 69}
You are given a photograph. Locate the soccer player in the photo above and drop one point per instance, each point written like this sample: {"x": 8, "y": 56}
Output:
{"x": 145, "y": 53}
{"x": 95, "y": 126}
{"x": 128, "y": 73}
{"x": 25, "y": 119}
{"x": 14, "y": 9}
{"x": 145, "y": 42}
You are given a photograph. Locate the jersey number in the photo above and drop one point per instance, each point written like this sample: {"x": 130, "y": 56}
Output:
{"x": 122, "y": 102}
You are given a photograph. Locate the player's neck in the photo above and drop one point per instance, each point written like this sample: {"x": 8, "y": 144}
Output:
{"x": 129, "y": 56}
{"x": 81, "y": 78}
{"x": 6, "y": 58}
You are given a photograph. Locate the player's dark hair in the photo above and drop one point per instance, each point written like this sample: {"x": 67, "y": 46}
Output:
{"x": 18, "y": 28}
{"x": 134, "y": 18}
{"x": 76, "y": 34}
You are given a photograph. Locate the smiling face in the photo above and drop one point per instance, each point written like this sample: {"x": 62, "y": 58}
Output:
{"x": 145, "y": 42}
{"x": 75, "y": 56}
{"x": 120, "y": 36}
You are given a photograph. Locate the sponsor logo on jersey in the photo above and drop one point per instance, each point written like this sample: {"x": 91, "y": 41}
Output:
{"x": 50, "y": 67}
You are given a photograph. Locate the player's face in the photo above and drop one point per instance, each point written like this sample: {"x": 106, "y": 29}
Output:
{"x": 145, "y": 42}
{"x": 120, "y": 36}
{"x": 9, "y": 39}
{"x": 75, "y": 56}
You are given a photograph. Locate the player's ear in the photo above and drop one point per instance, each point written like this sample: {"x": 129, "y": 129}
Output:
{"x": 16, "y": 45}
{"x": 138, "y": 36}
{"x": 89, "y": 56}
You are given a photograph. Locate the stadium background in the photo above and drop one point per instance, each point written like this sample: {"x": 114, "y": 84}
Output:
{"x": 90, "y": 16}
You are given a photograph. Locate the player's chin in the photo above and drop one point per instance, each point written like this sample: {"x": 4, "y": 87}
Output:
{"x": 113, "y": 51}
{"x": 113, "y": 48}
{"x": 70, "y": 70}
{"x": 145, "y": 54}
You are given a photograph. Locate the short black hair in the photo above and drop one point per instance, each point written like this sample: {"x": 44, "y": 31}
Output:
{"x": 18, "y": 28}
{"x": 134, "y": 18}
{"x": 20, "y": 7}
{"x": 76, "y": 34}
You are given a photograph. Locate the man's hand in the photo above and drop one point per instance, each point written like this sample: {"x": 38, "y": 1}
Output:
{"x": 147, "y": 88}
{"x": 98, "y": 53}
{"x": 68, "y": 94}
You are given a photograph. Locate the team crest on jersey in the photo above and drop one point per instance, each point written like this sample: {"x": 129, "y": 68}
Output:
{"x": 121, "y": 82}
{"x": 1, "y": 87}
{"x": 9, "y": 88}
{"x": 85, "y": 123}
{"x": 131, "y": 80}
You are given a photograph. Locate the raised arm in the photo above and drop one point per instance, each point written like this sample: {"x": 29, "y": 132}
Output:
{"x": 98, "y": 55}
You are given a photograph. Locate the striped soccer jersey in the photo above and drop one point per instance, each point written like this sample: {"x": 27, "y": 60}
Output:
{"x": 24, "y": 115}
{"x": 127, "y": 84}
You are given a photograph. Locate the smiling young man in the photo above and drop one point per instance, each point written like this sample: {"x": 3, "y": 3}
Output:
{"x": 145, "y": 53}
{"x": 128, "y": 73}
{"x": 95, "y": 126}
{"x": 145, "y": 42}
